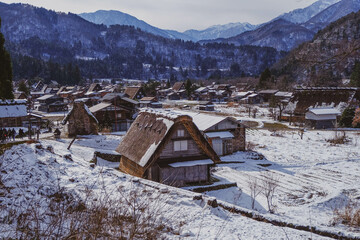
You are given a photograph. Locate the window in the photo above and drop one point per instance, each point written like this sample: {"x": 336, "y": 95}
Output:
{"x": 119, "y": 115}
{"x": 180, "y": 146}
{"x": 180, "y": 133}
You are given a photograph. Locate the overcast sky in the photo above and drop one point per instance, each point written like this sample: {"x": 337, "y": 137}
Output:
{"x": 181, "y": 14}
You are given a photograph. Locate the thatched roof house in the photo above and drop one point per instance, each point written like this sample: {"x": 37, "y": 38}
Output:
{"x": 134, "y": 92}
{"x": 178, "y": 86}
{"x": 320, "y": 97}
{"x": 166, "y": 147}
{"x": 81, "y": 120}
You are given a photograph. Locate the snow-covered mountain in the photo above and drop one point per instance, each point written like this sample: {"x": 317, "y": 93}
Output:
{"x": 332, "y": 13}
{"x": 113, "y": 17}
{"x": 220, "y": 31}
{"x": 302, "y": 15}
{"x": 279, "y": 34}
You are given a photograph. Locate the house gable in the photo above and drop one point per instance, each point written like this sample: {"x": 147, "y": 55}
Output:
{"x": 151, "y": 133}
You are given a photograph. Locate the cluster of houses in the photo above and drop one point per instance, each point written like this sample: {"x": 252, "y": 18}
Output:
{"x": 175, "y": 147}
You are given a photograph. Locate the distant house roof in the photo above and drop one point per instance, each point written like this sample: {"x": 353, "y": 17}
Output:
{"x": 132, "y": 91}
{"x": 148, "y": 99}
{"x": 111, "y": 96}
{"x": 283, "y": 94}
{"x": 8, "y": 111}
{"x": 269, "y": 91}
{"x": 201, "y": 89}
{"x": 178, "y": 85}
{"x": 205, "y": 121}
{"x": 99, "y": 107}
{"x": 325, "y": 111}
{"x": 79, "y": 105}
{"x": 93, "y": 87}
{"x": 45, "y": 97}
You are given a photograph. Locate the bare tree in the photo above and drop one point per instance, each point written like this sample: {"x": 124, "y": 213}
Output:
{"x": 255, "y": 190}
{"x": 269, "y": 185}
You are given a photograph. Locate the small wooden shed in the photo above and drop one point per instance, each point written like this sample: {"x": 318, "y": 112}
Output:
{"x": 166, "y": 147}
{"x": 81, "y": 120}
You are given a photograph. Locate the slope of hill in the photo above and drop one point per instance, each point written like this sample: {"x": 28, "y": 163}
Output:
{"x": 330, "y": 56}
{"x": 113, "y": 17}
{"x": 120, "y": 51}
{"x": 220, "y": 31}
{"x": 279, "y": 34}
{"x": 302, "y": 15}
{"x": 332, "y": 13}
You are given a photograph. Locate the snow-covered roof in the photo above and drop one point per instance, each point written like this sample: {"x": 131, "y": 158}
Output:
{"x": 241, "y": 94}
{"x": 99, "y": 107}
{"x": 221, "y": 135}
{"x": 283, "y": 94}
{"x": 45, "y": 97}
{"x": 203, "y": 121}
{"x": 324, "y": 111}
{"x": 8, "y": 111}
{"x": 252, "y": 95}
{"x": 13, "y": 101}
{"x": 191, "y": 163}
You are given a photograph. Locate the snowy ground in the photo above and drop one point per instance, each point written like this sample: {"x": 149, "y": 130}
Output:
{"x": 314, "y": 177}
{"x": 29, "y": 173}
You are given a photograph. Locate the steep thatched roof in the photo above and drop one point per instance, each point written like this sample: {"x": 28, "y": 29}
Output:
{"x": 132, "y": 91}
{"x": 339, "y": 98}
{"x": 151, "y": 131}
{"x": 77, "y": 107}
{"x": 177, "y": 86}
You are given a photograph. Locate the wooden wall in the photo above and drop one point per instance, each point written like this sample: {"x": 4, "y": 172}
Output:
{"x": 193, "y": 149}
{"x": 181, "y": 175}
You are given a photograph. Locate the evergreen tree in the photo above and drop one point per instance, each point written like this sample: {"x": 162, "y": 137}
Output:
{"x": 347, "y": 117}
{"x": 23, "y": 88}
{"x": 6, "y": 89}
{"x": 188, "y": 87}
{"x": 265, "y": 78}
{"x": 355, "y": 75}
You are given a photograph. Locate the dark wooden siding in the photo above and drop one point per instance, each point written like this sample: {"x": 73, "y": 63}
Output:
{"x": 193, "y": 149}
{"x": 181, "y": 175}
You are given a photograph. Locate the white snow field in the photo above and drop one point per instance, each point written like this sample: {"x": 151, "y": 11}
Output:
{"x": 314, "y": 178}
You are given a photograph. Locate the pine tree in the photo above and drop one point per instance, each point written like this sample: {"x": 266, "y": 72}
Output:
{"x": 347, "y": 117}
{"x": 355, "y": 75}
{"x": 265, "y": 78}
{"x": 6, "y": 89}
{"x": 23, "y": 88}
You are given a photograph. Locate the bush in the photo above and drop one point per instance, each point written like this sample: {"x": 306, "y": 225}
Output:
{"x": 350, "y": 215}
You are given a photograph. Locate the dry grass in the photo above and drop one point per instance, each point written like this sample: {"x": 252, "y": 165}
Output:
{"x": 275, "y": 126}
{"x": 342, "y": 139}
{"x": 349, "y": 216}
{"x": 137, "y": 214}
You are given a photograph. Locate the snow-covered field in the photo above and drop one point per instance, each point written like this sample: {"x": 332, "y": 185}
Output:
{"x": 31, "y": 174}
{"x": 314, "y": 177}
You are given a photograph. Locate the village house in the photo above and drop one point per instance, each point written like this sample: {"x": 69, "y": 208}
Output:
{"x": 225, "y": 134}
{"x": 178, "y": 86}
{"x": 323, "y": 97}
{"x": 267, "y": 94}
{"x": 80, "y": 121}
{"x": 206, "y": 106}
{"x": 134, "y": 92}
{"x": 322, "y": 118}
{"x": 115, "y": 111}
{"x": 51, "y": 103}
{"x": 170, "y": 149}
{"x": 150, "y": 102}
{"x": 12, "y": 113}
